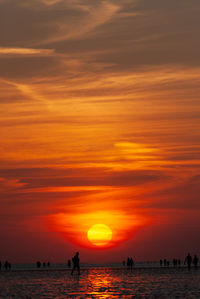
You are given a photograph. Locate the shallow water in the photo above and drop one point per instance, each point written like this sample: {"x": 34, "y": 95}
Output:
{"x": 101, "y": 283}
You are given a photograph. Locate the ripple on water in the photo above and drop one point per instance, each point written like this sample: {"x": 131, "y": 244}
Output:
{"x": 97, "y": 283}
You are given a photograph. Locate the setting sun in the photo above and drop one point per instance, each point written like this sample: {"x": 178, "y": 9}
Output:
{"x": 99, "y": 234}
{"x": 100, "y": 130}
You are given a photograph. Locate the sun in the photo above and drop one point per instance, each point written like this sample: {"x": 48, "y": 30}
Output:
{"x": 99, "y": 234}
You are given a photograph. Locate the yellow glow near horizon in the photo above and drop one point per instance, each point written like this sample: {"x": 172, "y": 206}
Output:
{"x": 99, "y": 228}
{"x": 99, "y": 234}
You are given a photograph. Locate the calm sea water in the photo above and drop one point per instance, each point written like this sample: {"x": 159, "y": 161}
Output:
{"x": 101, "y": 283}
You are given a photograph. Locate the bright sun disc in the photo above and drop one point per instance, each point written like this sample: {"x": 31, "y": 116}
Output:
{"x": 99, "y": 234}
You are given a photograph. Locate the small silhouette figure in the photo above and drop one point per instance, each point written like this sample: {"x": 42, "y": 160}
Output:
{"x": 6, "y": 265}
{"x": 175, "y": 262}
{"x": 188, "y": 260}
{"x": 44, "y": 265}
{"x": 161, "y": 263}
{"x": 69, "y": 263}
{"x": 165, "y": 262}
{"x": 38, "y": 264}
{"x": 76, "y": 264}
{"x": 195, "y": 261}
{"x": 48, "y": 264}
{"x": 131, "y": 263}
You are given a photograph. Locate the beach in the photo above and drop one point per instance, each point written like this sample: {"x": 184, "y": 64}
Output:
{"x": 150, "y": 282}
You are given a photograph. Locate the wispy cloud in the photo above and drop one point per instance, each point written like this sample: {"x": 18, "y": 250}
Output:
{"x": 10, "y": 184}
{"x": 94, "y": 16}
{"x": 26, "y": 90}
{"x": 25, "y": 51}
{"x": 50, "y": 2}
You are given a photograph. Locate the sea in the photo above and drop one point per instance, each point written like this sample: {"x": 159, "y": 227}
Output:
{"x": 145, "y": 280}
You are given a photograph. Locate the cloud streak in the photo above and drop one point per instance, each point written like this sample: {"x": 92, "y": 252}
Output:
{"x": 94, "y": 16}
{"x": 25, "y": 52}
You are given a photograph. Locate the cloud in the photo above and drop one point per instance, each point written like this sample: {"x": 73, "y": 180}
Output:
{"x": 50, "y": 2}
{"x": 7, "y": 184}
{"x": 68, "y": 179}
{"x": 26, "y": 90}
{"x": 59, "y": 20}
{"x": 25, "y": 51}
{"x": 94, "y": 16}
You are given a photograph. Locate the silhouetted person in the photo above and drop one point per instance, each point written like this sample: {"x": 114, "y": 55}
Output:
{"x": 128, "y": 262}
{"x": 44, "y": 265}
{"x": 160, "y": 263}
{"x": 48, "y": 264}
{"x": 188, "y": 260}
{"x": 165, "y": 262}
{"x": 76, "y": 264}
{"x": 131, "y": 263}
{"x": 38, "y": 264}
{"x": 175, "y": 262}
{"x": 195, "y": 261}
{"x": 6, "y": 265}
{"x": 9, "y": 266}
{"x": 69, "y": 264}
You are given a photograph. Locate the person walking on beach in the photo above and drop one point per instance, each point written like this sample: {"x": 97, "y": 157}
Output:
{"x": 76, "y": 265}
{"x": 188, "y": 260}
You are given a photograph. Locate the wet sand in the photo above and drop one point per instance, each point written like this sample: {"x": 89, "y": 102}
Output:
{"x": 101, "y": 283}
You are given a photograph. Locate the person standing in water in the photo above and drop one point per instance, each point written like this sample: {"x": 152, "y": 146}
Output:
{"x": 195, "y": 261}
{"x": 76, "y": 265}
{"x": 188, "y": 261}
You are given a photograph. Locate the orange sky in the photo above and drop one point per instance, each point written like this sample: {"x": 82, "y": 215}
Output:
{"x": 99, "y": 124}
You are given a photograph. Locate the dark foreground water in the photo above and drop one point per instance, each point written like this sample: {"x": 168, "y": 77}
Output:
{"x": 101, "y": 283}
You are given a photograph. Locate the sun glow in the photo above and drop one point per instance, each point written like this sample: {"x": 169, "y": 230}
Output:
{"x": 98, "y": 229}
{"x": 99, "y": 234}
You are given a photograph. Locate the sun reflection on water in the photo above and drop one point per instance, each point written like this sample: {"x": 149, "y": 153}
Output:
{"x": 101, "y": 284}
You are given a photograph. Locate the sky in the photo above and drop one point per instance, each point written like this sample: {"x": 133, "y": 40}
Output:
{"x": 100, "y": 124}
